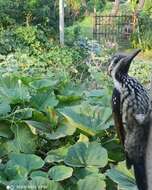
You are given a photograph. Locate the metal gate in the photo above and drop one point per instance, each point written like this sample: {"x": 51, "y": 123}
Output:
{"x": 114, "y": 28}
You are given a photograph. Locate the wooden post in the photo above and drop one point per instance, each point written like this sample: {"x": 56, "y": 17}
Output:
{"x": 94, "y": 24}
{"x": 61, "y": 21}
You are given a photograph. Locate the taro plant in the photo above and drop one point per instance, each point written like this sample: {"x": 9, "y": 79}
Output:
{"x": 57, "y": 136}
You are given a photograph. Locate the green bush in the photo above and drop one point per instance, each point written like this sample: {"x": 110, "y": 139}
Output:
{"x": 98, "y": 4}
{"x": 65, "y": 61}
{"x": 27, "y": 39}
{"x": 143, "y": 36}
{"x": 31, "y": 12}
{"x": 142, "y": 71}
{"x": 55, "y": 135}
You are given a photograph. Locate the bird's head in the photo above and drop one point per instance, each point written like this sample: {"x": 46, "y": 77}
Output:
{"x": 120, "y": 62}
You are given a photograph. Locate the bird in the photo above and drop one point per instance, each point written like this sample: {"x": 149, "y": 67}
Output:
{"x": 149, "y": 159}
{"x": 131, "y": 109}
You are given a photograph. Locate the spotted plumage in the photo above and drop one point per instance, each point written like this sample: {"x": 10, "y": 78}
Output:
{"x": 131, "y": 111}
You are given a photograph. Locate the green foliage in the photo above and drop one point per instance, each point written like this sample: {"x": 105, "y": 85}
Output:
{"x": 56, "y": 127}
{"x": 86, "y": 155}
{"x": 147, "y": 6}
{"x": 64, "y": 61}
{"x": 39, "y": 144}
{"x": 142, "y": 71}
{"x": 31, "y": 12}
{"x": 44, "y": 13}
{"x": 92, "y": 182}
{"x": 142, "y": 37}
{"x": 91, "y": 124}
{"x": 24, "y": 163}
{"x": 122, "y": 177}
{"x": 61, "y": 172}
{"x": 97, "y": 4}
{"x": 28, "y": 39}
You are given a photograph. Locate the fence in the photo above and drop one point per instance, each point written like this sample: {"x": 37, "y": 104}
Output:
{"x": 114, "y": 28}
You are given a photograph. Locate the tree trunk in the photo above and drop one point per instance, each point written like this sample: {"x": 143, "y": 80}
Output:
{"x": 61, "y": 21}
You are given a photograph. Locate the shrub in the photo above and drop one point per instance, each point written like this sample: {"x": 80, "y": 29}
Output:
{"x": 27, "y": 39}
{"x": 143, "y": 36}
{"x": 65, "y": 61}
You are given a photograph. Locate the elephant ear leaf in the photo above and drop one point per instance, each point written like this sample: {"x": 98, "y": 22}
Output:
{"x": 19, "y": 165}
{"x": 5, "y": 130}
{"x": 23, "y": 141}
{"x": 123, "y": 177}
{"x": 59, "y": 173}
{"x": 92, "y": 182}
{"x": 13, "y": 91}
{"x": 4, "y": 108}
{"x": 88, "y": 125}
{"x": 86, "y": 154}
{"x": 28, "y": 161}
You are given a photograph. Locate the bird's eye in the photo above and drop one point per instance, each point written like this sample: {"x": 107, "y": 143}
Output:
{"x": 115, "y": 61}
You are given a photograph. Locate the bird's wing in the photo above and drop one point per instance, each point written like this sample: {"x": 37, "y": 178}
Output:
{"x": 117, "y": 116}
{"x": 119, "y": 126}
{"x": 121, "y": 133}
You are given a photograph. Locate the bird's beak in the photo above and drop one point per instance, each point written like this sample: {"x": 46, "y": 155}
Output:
{"x": 131, "y": 56}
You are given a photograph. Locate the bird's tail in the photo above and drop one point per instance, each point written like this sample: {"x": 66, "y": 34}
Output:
{"x": 140, "y": 175}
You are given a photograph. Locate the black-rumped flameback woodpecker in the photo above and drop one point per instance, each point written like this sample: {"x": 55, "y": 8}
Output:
{"x": 131, "y": 112}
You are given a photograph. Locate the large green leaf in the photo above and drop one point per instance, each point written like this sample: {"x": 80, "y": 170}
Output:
{"x": 100, "y": 97}
{"x": 13, "y": 91}
{"x": 42, "y": 101}
{"x": 81, "y": 173}
{"x": 92, "y": 182}
{"x": 61, "y": 172}
{"x": 19, "y": 165}
{"x": 28, "y": 161}
{"x": 113, "y": 146}
{"x": 86, "y": 154}
{"x": 14, "y": 171}
{"x": 57, "y": 155}
{"x": 88, "y": 124}
{"x": 61, "y": 131}
{"x": 95, "y": 93}
{"x": 76, "y": 120}
{"x": 45, "y": 83}
{"x": 4, "y": 108}
{"x": 39, "y": 173}
{"x": 38, "y": 183}
{"x": 24, "y": 140}
{"x": 44, "y": 127}
{"x": 25, "y": 113}
{"x": 123, "y": 177}
{"x": 5, "y": 130}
